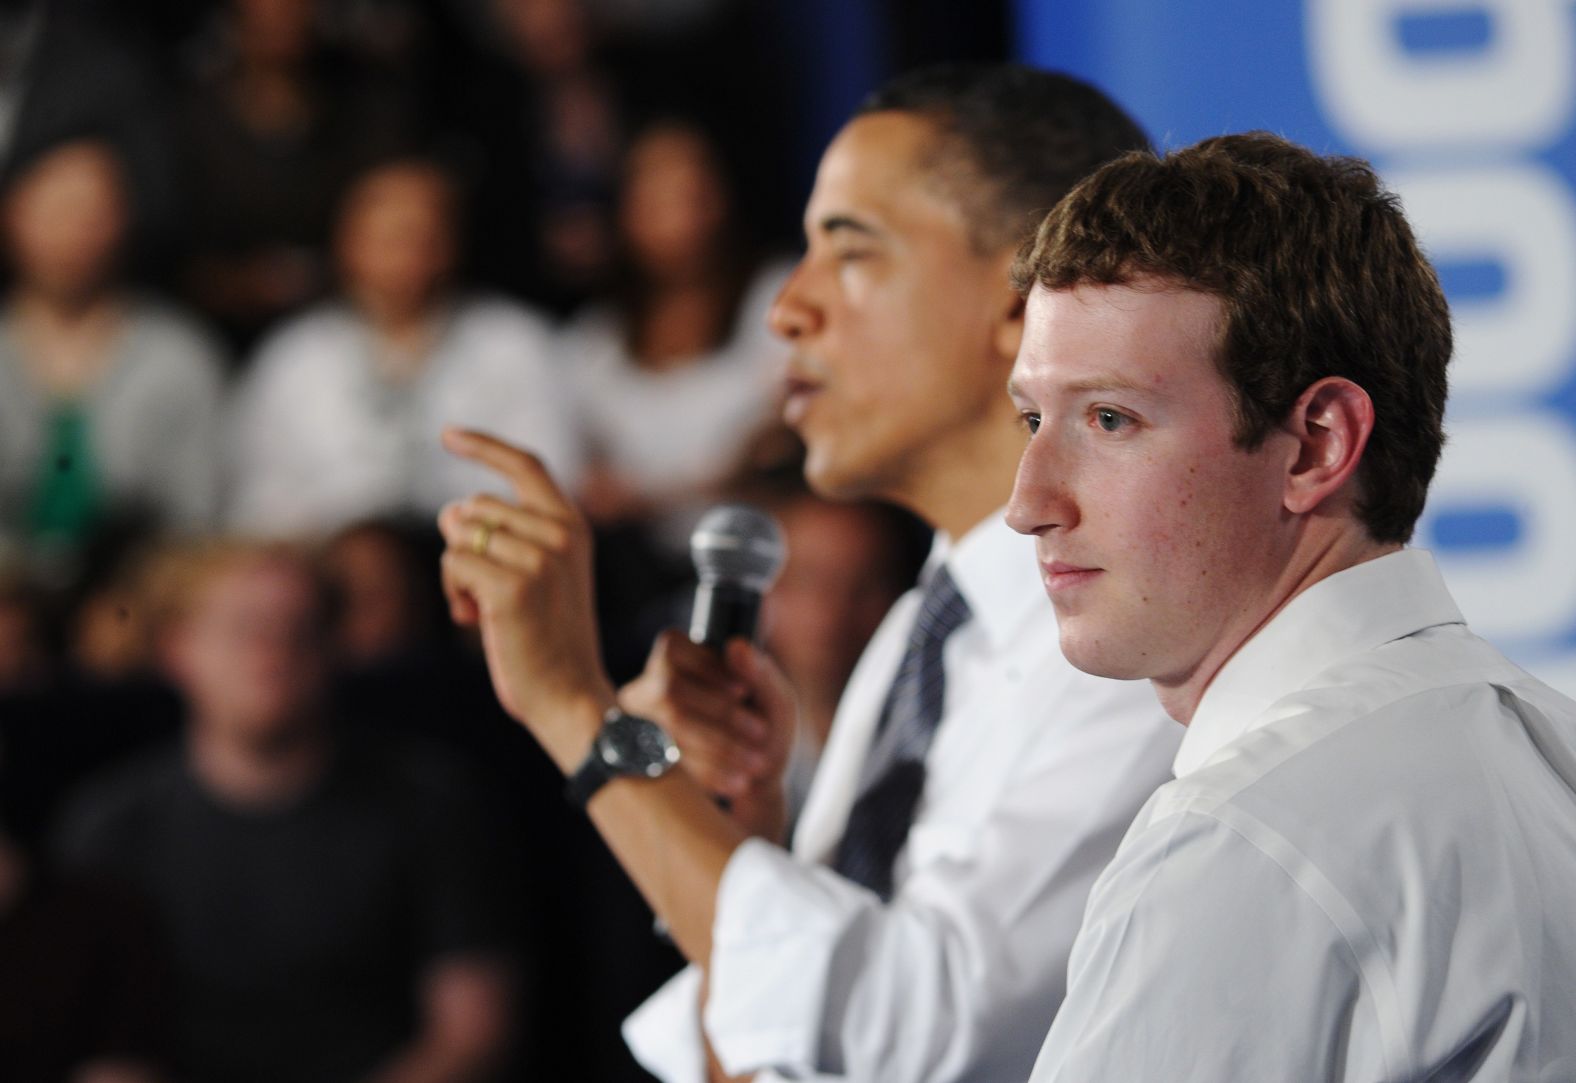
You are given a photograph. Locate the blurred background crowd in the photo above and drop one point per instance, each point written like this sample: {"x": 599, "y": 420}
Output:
{"x": 260, "y": 815}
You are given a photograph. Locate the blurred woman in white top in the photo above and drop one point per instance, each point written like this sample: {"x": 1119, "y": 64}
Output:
{"x": 677, "y": 375}
{"x": 109, "y": 399}
{"x": 339, "y": 418}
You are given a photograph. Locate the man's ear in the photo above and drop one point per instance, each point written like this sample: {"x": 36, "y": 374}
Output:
{"x": 1331, "y": 422}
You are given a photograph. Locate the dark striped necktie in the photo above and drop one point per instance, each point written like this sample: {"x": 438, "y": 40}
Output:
{"x": 893, "y": 776}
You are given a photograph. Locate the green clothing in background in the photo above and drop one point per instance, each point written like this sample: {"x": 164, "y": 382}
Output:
{"x": 69, "y": 495}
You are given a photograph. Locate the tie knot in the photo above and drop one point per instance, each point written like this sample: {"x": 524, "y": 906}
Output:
{"x": 941, "y": 611}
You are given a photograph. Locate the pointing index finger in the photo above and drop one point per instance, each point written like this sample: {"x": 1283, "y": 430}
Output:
{"x": 526, "y": 474}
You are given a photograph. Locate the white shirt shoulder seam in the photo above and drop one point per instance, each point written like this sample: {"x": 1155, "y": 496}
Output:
{"x": 1376, "y": 974}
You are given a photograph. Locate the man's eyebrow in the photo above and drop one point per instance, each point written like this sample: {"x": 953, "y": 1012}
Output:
{"x": 1109, "y": 382}
{"x": 1091, "y": 386}
{"x": 847, "y": 223}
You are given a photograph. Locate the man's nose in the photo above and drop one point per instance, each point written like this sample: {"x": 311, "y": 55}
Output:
{"x": 793, "y": 315}
{"x": 1042, "y": 498}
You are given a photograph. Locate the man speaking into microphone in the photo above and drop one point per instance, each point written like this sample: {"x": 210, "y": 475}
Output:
{"x": 974, "y": 783}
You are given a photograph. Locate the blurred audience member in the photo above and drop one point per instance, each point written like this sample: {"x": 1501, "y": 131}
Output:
{"x": 326, "y": 899}
{"x": 384, "y": 609}
{"x": 340, "y": 416}
{"x": 430, "y": 50}
{"x": 396, "y": 36}
{"x": 677, "y": 376}
{"x": 25, "y": 663}
{"x": 82, "y": 692}
{"x": 67, "y": 68}
{"x": 847, "y": 563}
{"x": 398, "y": 666}
{"x": 108, "y": 401}
{"x": 108, "y": 624}
{"x": 107, "y": 638}
{"x": 84, "y": 989}
{"x": 546, "y": 126}
{"x": 272, "y": 126}
{"x": 402, "y": 671}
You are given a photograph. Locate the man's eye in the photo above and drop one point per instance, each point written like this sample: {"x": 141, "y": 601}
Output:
{"x": 1110, "y": 420}
{"x": 1030, "y": 421}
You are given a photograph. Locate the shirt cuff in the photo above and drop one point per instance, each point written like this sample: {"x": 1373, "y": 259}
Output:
{"x": 664, "y": 1032}
{"x": 778, "y": 925}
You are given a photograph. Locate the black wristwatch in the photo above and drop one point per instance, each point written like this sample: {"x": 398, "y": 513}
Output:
{"x": 626, "y": 745}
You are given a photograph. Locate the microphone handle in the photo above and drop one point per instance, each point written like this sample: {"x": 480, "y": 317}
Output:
{"x": 722, "y": 612}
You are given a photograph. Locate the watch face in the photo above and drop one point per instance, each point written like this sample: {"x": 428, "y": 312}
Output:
{"x": 637, "y": 746}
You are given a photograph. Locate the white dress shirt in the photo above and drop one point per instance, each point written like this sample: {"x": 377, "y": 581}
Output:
{"x": 1365, "y": 871}
{"x": 1035, "y": 771}
{"x": 322, "y": 438}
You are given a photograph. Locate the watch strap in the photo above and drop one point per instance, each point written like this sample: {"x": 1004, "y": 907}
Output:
{"x": 592, "y": 774}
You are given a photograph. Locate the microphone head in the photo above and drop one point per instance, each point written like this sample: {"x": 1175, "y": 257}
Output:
{"x": 737, "y": 543}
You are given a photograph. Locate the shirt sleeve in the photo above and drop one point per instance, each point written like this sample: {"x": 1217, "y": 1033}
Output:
{"x": 960, "y": 974}
{"x": 664, "y": 1032}
{"x": 1204, "y": 958}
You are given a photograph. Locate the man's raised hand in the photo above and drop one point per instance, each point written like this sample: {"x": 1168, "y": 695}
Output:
{"x": 521, "y": 572}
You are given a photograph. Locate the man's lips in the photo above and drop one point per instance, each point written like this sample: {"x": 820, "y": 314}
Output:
{"x": 1059, "y": 575}
{"x": 797, "y": 395}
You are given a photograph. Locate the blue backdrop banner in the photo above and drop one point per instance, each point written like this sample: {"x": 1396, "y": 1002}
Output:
{"x": 1468, "y": 108}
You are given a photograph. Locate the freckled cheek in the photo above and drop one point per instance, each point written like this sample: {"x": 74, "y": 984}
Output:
{"x": 1220, "y": 543}
{"x": 1151, "y": 521}
{"x": 1169, "y": 545}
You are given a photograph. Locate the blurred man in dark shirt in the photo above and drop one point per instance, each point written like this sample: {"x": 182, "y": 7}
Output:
{"x": 325, "y": 900}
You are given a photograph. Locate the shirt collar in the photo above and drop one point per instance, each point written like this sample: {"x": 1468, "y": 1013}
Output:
{"x": 1348, "y": 613}
{"x": 994, "y": 569}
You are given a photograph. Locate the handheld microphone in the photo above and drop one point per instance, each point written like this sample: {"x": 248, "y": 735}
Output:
{"x": 738, "y": 551}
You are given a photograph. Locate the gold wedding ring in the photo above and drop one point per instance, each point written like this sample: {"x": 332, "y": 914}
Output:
{"x": 483, "y": 535}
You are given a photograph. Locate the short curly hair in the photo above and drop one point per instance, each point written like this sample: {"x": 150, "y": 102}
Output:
{"x": 1318, "y": 273}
